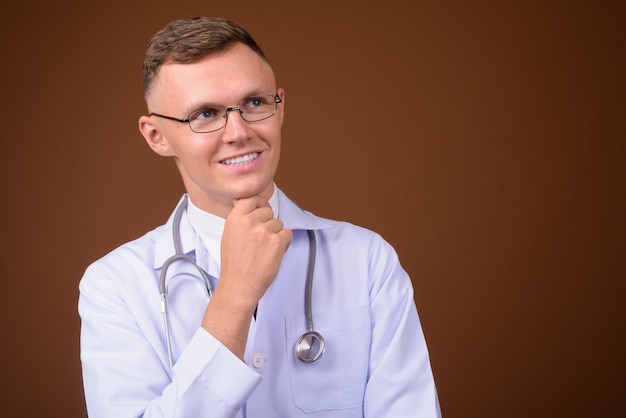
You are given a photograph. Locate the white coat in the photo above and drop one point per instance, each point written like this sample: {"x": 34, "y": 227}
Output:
{"x": 376, "y": 362}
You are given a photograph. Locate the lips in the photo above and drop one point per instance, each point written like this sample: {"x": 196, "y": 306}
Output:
{"x": 241, "y": 160}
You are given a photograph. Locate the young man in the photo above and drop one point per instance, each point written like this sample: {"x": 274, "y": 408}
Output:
{"x": 271, "y": 311}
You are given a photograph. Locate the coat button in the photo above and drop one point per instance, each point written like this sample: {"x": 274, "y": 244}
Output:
{"x": 258, "y": 360}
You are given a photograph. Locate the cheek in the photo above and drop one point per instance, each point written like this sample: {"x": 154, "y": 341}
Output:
{"x": 271, "y": 133}
{"x": 199, "y": 149}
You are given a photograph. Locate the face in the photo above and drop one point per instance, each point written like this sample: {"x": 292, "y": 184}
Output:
{"x": 206, "y": 160}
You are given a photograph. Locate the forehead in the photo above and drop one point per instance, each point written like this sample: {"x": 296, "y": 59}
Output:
{"x": 223, "y": 78}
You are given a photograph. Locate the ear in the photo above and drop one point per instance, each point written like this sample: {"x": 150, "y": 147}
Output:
{"x": 154, "y": 137}
{"x": 281, "y": 108}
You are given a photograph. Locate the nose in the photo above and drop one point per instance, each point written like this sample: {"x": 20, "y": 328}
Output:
{"x": 236, "y": 128}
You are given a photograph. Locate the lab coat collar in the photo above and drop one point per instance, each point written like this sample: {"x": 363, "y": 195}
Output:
{"x": 290, "y": 214}
{"x": 295, "y": 218}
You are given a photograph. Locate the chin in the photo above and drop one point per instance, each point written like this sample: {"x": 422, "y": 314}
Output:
{"x": 250, "y": 191}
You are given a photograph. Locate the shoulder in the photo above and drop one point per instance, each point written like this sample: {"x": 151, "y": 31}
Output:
{"x": 347, "y": 232}
{"x": 345, "y": 240}
{"x": 129, "y": 258}
{"x": 368, "y": 264}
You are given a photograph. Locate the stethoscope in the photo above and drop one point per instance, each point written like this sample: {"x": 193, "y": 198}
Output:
{"x": 309, "y": 347}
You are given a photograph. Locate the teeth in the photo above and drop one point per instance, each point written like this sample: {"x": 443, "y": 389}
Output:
{"x": 244, "y": 159}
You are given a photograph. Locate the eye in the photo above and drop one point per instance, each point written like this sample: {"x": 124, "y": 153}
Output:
{"x": 206, "y": 114}
{"x": 256, "y": 103}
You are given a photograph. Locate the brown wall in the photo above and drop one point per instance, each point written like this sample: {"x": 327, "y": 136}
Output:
{"x": 485, "y": 141}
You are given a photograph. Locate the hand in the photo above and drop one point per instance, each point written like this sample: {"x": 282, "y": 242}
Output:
{"x": 253, "y": 246}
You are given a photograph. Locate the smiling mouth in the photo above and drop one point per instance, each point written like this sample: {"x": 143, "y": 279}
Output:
{"x": 241, "y": 160}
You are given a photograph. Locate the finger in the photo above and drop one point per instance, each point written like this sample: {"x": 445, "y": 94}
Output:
{"x": 274, "y": 225}
{"x": 286, "y": 235}
{"x": 248, "y": 204}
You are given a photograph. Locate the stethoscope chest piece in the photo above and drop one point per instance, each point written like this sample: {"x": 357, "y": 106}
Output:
{"x": 310, "y": 347}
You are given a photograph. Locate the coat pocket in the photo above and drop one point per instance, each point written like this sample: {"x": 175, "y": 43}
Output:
{"x": 337, "y": 380}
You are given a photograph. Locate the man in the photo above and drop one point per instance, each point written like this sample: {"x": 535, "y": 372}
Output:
{"x": 236, "y": 350}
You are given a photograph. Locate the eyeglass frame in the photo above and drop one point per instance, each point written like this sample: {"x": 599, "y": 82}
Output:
{"x": 277, "y": 100}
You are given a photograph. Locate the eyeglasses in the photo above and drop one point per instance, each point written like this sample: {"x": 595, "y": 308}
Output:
{"x": 214, "y": 117}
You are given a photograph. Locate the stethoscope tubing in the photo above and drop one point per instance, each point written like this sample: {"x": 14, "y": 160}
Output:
{"x": 303, "y": 346}
{"x": 310, "y": 339}
{"x": 308, "y": 309}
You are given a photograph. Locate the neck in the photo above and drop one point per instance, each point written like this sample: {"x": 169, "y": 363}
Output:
{"x": 222, "y": 206}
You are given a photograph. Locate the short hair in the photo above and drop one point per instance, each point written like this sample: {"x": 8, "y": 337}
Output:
{"x": 189, "y": 40}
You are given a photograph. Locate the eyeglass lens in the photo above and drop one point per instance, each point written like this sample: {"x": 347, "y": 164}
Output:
{"x": 252, "y": 109}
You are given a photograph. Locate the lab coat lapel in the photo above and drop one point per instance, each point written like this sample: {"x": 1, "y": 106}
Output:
{"x": 164, "y": 245}
{"x": 295, "y": 218}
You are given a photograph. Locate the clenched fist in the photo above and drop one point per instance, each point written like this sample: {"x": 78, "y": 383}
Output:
{"x": 253, "y": 246}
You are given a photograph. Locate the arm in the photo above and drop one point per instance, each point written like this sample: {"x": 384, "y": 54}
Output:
{"x": 125, "y": 368}
{"x": 253, "y": 246}
{"x": 400, "y": 379}
{"x": 122, "y": 346}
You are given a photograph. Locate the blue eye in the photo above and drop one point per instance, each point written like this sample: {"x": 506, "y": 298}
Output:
{"x": 206, "y": 114}
{"x": 256, "y": 104}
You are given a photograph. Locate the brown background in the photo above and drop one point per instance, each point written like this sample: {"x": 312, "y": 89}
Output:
{"x": 484, "y": 140}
